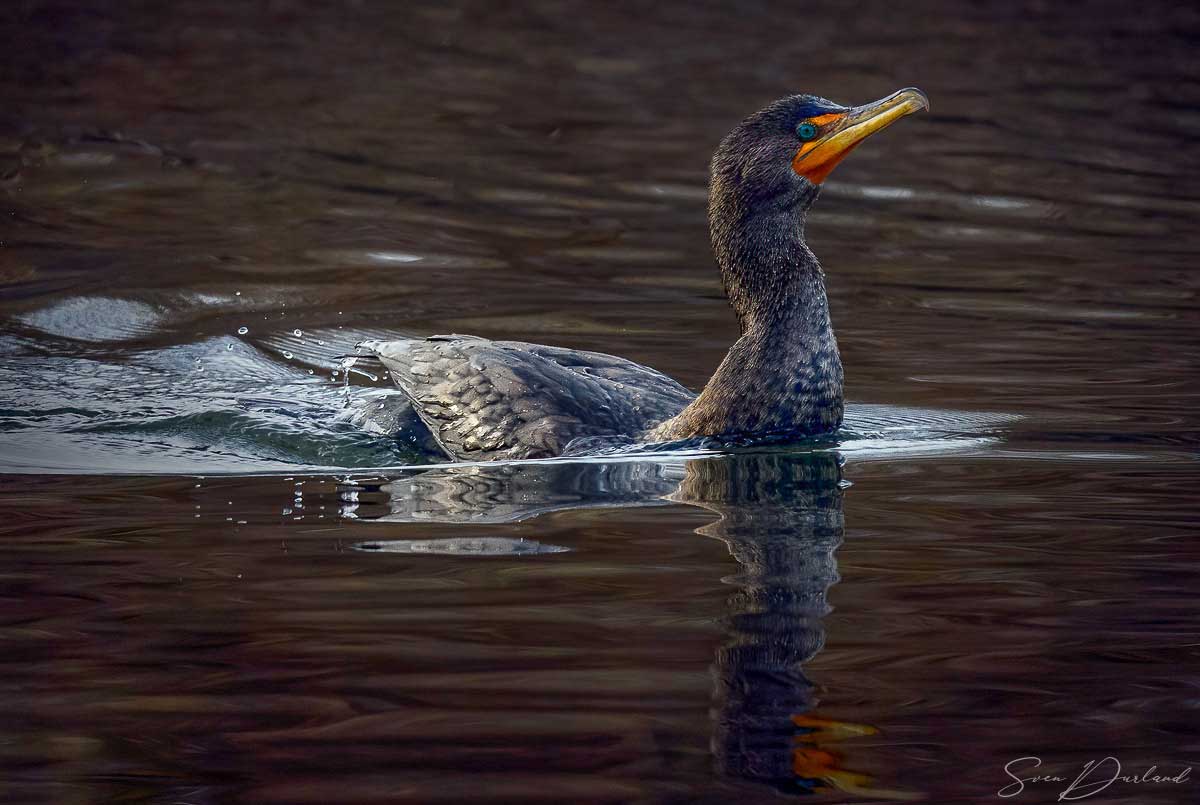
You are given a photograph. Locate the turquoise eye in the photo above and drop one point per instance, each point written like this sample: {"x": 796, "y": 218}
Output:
{"x": 806, "y": 131}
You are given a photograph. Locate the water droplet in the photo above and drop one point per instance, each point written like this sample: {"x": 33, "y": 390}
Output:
{"x": 229, "y": 347}
{"x": 310, "y": 371}
{"x": 320, "y": 342}
{"x": 237, "y": 293}
{"x": 243, "y": 330}
{"x": 287, "y": 355}
{"x": 298, "y": 332}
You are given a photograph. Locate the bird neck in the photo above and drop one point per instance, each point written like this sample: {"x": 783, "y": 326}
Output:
{"x": 771, "y": 276}
{"x": 783, "y": 376}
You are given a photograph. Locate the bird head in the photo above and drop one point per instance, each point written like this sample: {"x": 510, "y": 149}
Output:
{"x": 780, "y": 155}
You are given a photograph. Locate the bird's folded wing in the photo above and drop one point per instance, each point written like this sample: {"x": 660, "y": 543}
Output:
{"x": 486, "y": 400}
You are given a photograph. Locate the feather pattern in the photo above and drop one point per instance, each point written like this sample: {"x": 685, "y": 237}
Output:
{"x": 486, "y": 400}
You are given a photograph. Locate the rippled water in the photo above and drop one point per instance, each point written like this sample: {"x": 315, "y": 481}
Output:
{"x": 219, "y": 587}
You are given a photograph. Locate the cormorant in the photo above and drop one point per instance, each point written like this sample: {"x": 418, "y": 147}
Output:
{"x": 485, "y": 400}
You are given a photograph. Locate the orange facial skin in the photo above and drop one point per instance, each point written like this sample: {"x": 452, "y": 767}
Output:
{"x": 820, "y": 121}
{"x": 816, "y": 173}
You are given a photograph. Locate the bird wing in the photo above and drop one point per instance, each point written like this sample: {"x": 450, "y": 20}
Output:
{"x": 486, "y": 400}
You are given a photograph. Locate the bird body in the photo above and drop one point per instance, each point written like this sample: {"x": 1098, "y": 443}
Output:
{"x": 486, "y": 400}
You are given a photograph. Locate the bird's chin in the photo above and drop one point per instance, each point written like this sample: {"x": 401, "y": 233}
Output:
{"x": 804, "y": 195}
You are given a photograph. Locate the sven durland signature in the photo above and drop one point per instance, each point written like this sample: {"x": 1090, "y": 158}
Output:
{"x": 1096, "y": 776}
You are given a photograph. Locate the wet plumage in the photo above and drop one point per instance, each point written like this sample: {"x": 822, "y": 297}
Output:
{"x": 487, "y": 400}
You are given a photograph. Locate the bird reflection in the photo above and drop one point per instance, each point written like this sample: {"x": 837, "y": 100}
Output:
{"x": 779, "y": 513}
{"x": 781, "y": 516}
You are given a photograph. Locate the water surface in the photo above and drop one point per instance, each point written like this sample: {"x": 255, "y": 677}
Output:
{"x": 218, "y": 586}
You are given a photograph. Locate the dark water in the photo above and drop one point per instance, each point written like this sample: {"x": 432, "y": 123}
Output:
{"x": 217, "y": 587}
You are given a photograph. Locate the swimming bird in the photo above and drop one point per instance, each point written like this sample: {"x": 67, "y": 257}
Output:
{"x": 485, "y": 400}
